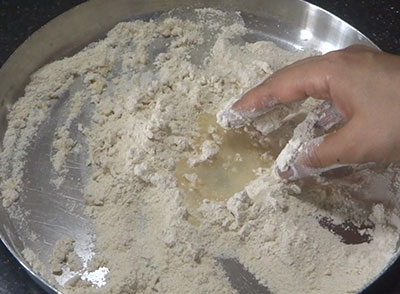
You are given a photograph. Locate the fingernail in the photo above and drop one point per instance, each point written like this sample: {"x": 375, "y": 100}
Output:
{"x": 297, "y": 169}
{"x": 287, "y": 174}
{"x": 256, "y": 108}
{"x": 231, "y": 118}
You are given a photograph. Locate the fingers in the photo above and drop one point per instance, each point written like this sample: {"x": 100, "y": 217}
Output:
{"x": 329, "y": 116}
{"x": 309, "y": 77}
{"x": 302, "y": 79}
{"x": 325, "y": 153}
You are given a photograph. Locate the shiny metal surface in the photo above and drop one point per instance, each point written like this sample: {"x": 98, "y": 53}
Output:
{"x": 292, "y": 24}
{"x": 240, "y": 278}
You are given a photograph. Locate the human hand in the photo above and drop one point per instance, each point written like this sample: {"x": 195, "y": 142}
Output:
{"x": 362, "y": 83}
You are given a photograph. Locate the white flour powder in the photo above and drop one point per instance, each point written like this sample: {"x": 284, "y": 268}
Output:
{"x": 146, "y": 84}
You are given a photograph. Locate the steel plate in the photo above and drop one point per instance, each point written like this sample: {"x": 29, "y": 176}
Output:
{"x": 292, "y": 24}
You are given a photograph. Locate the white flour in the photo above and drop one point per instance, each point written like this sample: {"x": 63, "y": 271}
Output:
{"x": 146, "y": 99}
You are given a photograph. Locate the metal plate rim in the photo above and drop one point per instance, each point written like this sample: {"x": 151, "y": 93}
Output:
{"x": 12, "y": 59}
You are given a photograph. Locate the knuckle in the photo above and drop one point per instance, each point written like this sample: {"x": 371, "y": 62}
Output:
{"x": 367, "y": 57}
{"x": 334, "y": 62}
{"x": 338, "y": 56}
{"x": 351, "y": 56}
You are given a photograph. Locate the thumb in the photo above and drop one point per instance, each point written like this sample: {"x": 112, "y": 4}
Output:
{"x": 323, "y": 153}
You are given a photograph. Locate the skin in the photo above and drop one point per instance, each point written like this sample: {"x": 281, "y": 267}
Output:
{"x": 363, "y": 84}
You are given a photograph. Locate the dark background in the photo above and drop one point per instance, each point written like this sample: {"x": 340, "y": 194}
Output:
{"x": 377, "y": 19}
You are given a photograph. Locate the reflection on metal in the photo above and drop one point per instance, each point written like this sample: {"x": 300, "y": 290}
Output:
{"x": 305, "y": 35}
{"x": 240, "y": 278}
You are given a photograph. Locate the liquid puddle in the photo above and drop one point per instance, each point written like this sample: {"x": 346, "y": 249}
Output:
{"x": 227, "y": 173}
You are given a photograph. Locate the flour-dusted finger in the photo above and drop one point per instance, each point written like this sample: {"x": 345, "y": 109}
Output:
{"x": 321, "y": 154}
{"x": 292, "y": 83}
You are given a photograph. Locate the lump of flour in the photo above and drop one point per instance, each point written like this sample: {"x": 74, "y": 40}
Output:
{"x": 10, "y": 192}
{"x": 64, "y": 256}
{"x": 135, "y": 98}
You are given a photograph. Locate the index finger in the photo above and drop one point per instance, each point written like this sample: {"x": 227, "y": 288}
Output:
{"x": 305, "y": 78}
